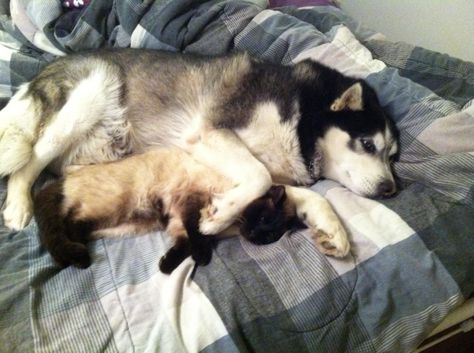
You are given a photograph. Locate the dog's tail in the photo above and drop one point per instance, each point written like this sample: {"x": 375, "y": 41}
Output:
{"x": 57, "y": 233}
{"x": 19, "y": 123}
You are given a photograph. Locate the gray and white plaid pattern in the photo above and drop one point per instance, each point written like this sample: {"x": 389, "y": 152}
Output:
{"x": 412, "y": 255}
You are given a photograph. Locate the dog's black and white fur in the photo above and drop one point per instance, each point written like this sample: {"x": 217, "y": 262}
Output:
{"x": 253, "y": 122}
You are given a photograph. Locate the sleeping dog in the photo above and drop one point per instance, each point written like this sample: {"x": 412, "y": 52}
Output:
{"x": 254, "y": 122}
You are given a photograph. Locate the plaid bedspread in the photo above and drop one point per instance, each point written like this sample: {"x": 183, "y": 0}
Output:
{"x": 412, "y": 256}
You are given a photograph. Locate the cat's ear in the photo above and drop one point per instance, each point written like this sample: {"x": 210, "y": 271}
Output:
{"x": 277, "y": 194}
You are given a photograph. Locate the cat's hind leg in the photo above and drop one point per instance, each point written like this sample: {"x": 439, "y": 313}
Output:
{"x": 175, "y": 255}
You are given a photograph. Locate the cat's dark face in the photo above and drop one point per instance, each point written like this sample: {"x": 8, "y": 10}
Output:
{"x": 265, "y": 220}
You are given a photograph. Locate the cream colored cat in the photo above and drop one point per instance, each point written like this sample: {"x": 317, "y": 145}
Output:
{"x": 162, "y": 189}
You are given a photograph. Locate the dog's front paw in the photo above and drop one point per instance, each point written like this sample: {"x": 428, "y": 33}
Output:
{"x": 330, "y": 236}
{"x": 217, "y": 217}
{"x": 17, "y": 213}
{"x": 333, "y": 244}
{"x": 213, "y": 225}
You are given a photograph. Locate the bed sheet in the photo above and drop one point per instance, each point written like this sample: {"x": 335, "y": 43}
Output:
{"x": 412, "y": 256}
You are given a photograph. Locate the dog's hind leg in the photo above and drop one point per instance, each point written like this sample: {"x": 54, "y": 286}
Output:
{"x": 223, "y": 151}
{"x": 315, "y": 211}
{"x": 18, "y": 128}
{"x": 88, "y": 102}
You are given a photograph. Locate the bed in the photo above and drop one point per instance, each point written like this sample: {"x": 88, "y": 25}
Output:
{"x": 412, "y": 256}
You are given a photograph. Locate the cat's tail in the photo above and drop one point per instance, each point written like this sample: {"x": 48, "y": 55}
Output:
{"x": 56, "y": 231}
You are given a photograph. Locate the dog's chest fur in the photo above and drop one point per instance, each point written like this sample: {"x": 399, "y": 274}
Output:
{"x": 275, "y": 143}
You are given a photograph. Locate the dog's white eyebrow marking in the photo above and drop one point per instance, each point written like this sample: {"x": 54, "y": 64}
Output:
{"x": 393, "y": 149}
{"x": 275, "y": 135}
{"x": 379, "y": 141}
{"x": 391, "y": 142}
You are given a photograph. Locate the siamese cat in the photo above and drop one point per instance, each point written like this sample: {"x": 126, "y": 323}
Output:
{"x": 162, "y": 189}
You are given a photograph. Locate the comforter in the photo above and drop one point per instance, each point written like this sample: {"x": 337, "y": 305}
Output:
{"x": 412, "y": 256}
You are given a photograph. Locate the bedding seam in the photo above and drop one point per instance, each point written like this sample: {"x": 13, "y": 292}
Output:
{"x": 117, "y": 294}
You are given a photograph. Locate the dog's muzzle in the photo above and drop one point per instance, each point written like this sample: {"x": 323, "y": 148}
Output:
{"x": 386, "y": 188}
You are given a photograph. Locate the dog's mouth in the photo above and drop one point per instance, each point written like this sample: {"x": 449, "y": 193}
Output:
{"x": 378, "y": 190}
{"x": 360, "y": 187}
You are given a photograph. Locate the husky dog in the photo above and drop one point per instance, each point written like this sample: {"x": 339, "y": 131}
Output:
{"x": 251, "y": 121}
{"x": 162, "y": 189}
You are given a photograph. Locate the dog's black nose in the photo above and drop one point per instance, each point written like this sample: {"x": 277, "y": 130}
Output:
{"x": 386, "y": 188}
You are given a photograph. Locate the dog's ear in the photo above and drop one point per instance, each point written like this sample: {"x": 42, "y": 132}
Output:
{"x": 277, "y": 194}
{"x": 351, "y": 99}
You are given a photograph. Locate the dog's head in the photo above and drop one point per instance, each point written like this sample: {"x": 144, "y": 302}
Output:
{"x": 353, "y": 140}
{"x": 359, "y": 143}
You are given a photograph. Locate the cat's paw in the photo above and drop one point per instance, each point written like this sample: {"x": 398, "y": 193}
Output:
{"x": 79, "y": 255}
{"x": 17, "y": 213}
{"x": 169, "y": 263}
{"x": 202, "y": 257}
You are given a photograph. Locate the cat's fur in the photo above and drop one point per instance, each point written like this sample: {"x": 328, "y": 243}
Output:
{"x": 162, "y": 189}
{"x": 264, "y": 221}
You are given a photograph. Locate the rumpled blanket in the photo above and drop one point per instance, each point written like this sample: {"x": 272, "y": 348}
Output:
{"x": 412, "y": 256}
